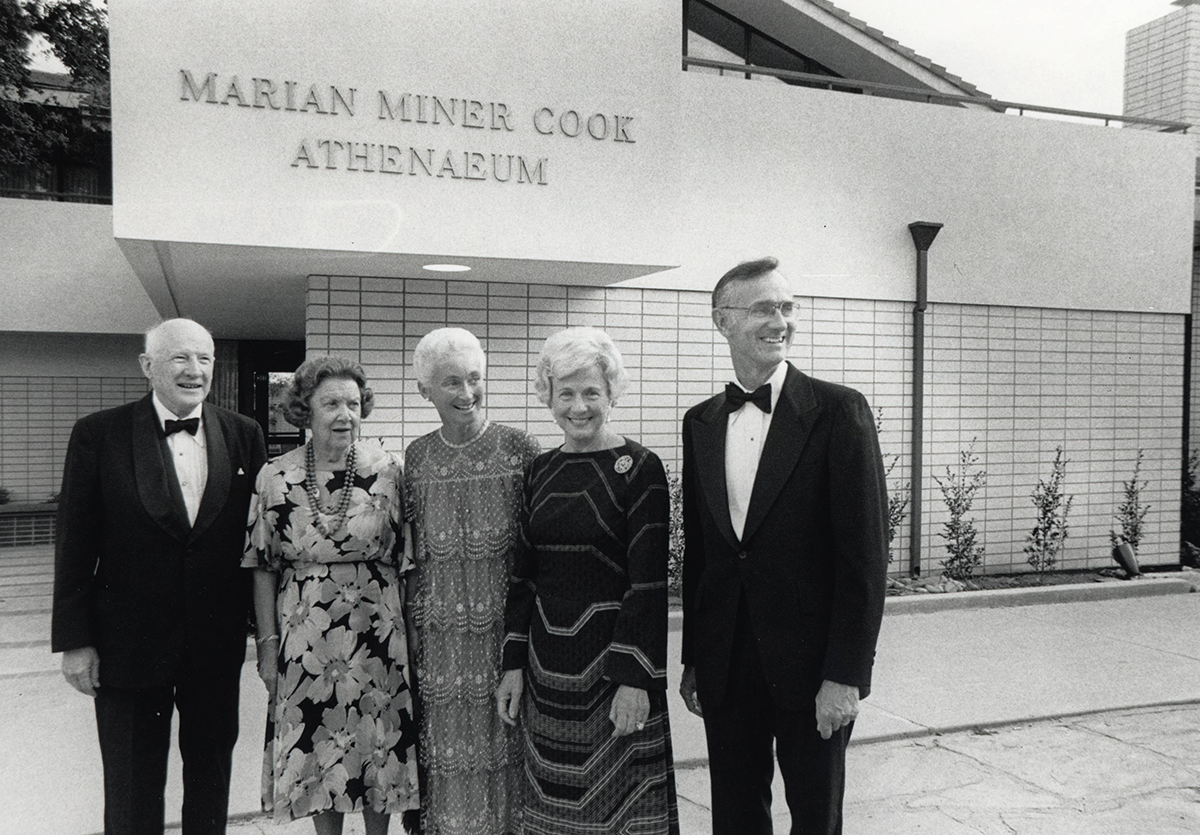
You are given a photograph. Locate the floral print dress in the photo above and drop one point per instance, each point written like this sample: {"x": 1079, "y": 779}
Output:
{"x": 340, "y": 736}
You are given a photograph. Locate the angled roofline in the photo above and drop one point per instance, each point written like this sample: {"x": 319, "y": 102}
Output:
{"x": 831, "y": 36}
{"x": 894, "y": 45}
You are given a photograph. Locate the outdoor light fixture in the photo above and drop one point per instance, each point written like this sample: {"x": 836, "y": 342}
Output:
{"x": 923, "y": 232}
{"x": 447, "y": 268}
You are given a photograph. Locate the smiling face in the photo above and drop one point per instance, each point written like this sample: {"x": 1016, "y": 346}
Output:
{"x": 580, "y": 405}
{"x": 179, "y": 365}
{"x": 456, "y": 390}
{"x": 336, "y": 412}
{"x": 757, "y": 345}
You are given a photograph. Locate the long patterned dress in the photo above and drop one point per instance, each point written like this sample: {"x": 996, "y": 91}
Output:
{"x": 343, "y": 735}
{"x": 587, "y": 612}
{"x": 464, "y": 502}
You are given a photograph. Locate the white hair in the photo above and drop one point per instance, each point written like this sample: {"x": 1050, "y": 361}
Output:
{"x": 438, "y": 345}
{"x": 576, "y": 349}
{"x": 154, "y": 335}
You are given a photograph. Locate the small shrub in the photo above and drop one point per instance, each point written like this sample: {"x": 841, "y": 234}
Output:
{"x": 897, "y": 509}
{"x": 5, "y": 496}
{"x": 675, "y": 552}
{"x": 1049, "y": 535}
{"x": 1131, "y": 513}
{"x": 958, "y": 491}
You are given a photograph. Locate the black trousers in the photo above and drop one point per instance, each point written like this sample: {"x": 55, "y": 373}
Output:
{"x": 741, "y": 734}
{"x": 134, "y": 726}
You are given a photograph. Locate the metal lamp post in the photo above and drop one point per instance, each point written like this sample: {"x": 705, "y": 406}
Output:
{"x": 923, "y": 232}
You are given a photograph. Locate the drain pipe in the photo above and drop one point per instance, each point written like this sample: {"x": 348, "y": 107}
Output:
{"x": 923, "y": 233}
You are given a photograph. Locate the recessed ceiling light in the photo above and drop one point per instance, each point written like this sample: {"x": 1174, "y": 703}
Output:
{"x": 446, "y": 268}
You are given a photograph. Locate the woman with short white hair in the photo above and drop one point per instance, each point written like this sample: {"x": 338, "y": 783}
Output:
{"x": 585, "y": 640}
{"x": 463, "y": 484}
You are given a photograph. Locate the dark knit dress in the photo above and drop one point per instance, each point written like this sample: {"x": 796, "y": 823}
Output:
{"x": 587, "y": 612}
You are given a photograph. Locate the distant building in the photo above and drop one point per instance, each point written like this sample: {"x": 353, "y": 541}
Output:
{"x": 299, "y": 185}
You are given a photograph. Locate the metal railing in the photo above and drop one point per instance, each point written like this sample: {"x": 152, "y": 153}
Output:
{"x": 928, "y": 96}
{"x": 56, "y": 196}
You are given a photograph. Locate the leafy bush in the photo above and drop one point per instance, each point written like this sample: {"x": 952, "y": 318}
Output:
{"x": 1131, "y": 513}
{"x": 1049, "y": 535}
{"x": 5, "y": 496}
{"x": 958, "y": 491}
{"x": 897, "y": 508}
{"x": 675, "y": 553}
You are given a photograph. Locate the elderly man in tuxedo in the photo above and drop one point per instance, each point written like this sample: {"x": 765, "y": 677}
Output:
{"x": 784, "y": 506}
{"x": 150, "y": 604}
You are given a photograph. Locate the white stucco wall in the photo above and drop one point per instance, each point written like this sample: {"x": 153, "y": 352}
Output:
{"x": 1037, "y": 213}
{"x": 235, "y": 163}
{"x": 61, "y": 270}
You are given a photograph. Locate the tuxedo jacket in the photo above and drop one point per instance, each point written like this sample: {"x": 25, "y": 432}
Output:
{"x": 158, "y": 598}
{"x": 811, "y": 563}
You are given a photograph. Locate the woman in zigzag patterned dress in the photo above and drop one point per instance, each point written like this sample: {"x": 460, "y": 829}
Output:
{"x": 586, "y": 620}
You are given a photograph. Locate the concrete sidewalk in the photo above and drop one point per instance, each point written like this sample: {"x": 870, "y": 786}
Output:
{"x": 963, "y": 665}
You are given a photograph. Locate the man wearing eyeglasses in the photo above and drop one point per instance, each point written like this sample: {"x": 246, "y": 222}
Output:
{"x": 785, "y": 525}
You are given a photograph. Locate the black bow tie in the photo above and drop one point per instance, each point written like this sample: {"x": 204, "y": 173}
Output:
{"x": 189, "y": 426}
{"x": 736, "y": 397}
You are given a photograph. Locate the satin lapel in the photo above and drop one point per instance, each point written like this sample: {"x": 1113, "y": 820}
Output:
{"x": 153, "y": 475}
{"x": 216, "y": 488}
{"x": 708, "y": 440}
{"x": 795, "y": 414}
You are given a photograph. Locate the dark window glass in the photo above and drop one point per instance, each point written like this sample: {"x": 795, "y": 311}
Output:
{"x": 766, "y": 53}
{"x": 731, "y": 34}
{"x": 717, "y": 27}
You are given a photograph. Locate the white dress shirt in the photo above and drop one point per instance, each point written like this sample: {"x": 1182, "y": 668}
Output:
{"x": 745, "y": 433}
{"x": 189, "y": 454}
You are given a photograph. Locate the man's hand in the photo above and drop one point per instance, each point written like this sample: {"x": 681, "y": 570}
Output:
{"x": 508, "y": 696}
{"x": 81, "y": 668}
{"x": 837, "y": 706}
{"x": 629, "y": 711}
{"x": 687, "y": 689}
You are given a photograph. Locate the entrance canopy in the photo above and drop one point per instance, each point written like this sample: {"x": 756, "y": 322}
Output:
{"x": 256, "y": 145}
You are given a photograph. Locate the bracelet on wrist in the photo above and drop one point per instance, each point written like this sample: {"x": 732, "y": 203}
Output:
{"x": 267, "y": 640}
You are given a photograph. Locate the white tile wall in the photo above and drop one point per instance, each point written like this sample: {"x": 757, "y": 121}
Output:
{"x": 1020, "y": 381}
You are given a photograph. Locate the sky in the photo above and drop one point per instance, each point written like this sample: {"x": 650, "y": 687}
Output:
{"x": 1057, "y": 53}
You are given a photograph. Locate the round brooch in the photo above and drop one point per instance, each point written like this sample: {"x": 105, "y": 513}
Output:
{"x": 623, "y": 464}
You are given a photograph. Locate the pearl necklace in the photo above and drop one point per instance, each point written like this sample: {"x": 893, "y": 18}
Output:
{"x": 338, "y": 517}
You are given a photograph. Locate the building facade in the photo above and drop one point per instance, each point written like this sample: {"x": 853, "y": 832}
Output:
{"x": 296, "y": 190}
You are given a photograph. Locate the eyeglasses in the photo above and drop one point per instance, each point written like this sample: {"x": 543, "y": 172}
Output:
{"x": 766, "y": 310}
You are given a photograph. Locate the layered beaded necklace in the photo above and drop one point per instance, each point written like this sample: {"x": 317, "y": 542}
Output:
{"x": 338, "y": 517}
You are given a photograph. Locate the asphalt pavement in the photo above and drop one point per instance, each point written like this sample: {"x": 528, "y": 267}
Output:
{"x": 1071, "y": 709}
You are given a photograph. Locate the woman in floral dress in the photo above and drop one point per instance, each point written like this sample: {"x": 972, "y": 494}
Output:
{"x": 463, "y": 485}
{"x": 324, "y": 540}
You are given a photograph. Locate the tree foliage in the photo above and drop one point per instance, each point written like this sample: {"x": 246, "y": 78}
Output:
{"x": 36, "y": 127}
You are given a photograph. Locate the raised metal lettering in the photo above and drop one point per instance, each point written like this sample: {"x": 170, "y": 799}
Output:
{"x": 537, "y": 116}
{"x": 264, "y": 88}
{"x": 603, "y": 134}
{"x": 188, "y": 86}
